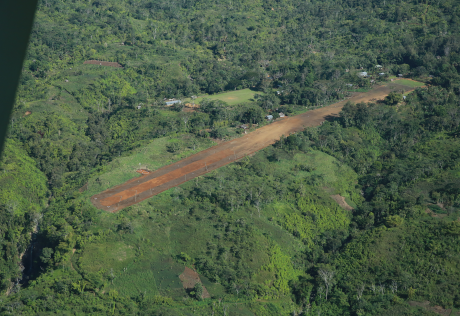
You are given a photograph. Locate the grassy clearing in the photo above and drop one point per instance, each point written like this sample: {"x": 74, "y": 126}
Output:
{"x": 116, "y": 255}
{"x": 326, "y": 171}
{"x": 410, "y": 83}
{"x": 232, "y": 97}
{"x": 152, "y": 156}
{"x": 60, "y": 102}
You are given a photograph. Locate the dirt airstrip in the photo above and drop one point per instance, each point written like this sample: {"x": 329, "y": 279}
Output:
{"x": 148, "y": 185}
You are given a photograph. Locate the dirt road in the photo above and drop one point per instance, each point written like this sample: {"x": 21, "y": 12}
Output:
{"x": 139, "y": 189}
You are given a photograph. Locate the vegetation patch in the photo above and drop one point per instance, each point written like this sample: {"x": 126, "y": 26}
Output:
{"x": 231, "y": 97}
{"x": 97, "y": 257}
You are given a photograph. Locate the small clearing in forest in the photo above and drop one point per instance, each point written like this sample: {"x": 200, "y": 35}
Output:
{"x": 189, "y": 278}
{"x": 341, "y": 201}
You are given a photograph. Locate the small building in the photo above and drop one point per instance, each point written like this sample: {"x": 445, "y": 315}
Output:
{"x": 269, "y": 117}
{"x": 362, "y": 74}
{"x": 244, "y": 126}
{"x": 349, "y": 85}
{"x": 169, "y": 103}
{"x": 278, "y": 92}
{"x": 400, "y": 75}
{"x": 281, "y": 114}
{"x": 379, "y": 66}
{"x": 381, "y": 74}
{"x": 139, "y": 107}
{"x": 404, "y": 97}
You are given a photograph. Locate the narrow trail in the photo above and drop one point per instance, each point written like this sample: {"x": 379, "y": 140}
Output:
{"x": 146, "y": 186}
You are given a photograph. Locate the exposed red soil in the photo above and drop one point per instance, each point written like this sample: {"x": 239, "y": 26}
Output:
{"x": 189, "y": 278}
{"x": 103, "y": 63}
{"x": 341, "y": 201}
{"x": 148, "y": 185}
{"x": 143, "y": 171}
{"x": 27, "y": 113}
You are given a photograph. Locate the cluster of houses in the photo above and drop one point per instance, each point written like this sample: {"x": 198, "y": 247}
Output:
{"x": 267, "y": 117}
{"x": 364, "y": 74}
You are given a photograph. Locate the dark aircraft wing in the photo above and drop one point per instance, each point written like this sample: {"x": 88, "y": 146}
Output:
{"x": 16, "y": 19}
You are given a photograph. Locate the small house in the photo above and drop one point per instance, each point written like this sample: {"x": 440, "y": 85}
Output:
{"x": 362, "y": 74}
{"x": 382, "y": 74}
{"x": 400, "y": 75}
{"x": 138, "y": 107}
{"x": 244, "y": 126}
{"x": 379, "y": 66}
{"x": 269, "y": 117}
{"x": 349, "y": 85}
{"x": 281, "y": 114}
{"x": 404, "y": 97}
{"x": 169, "y": 103}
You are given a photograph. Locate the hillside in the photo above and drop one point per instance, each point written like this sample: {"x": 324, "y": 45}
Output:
{"x": 357, "y": 216}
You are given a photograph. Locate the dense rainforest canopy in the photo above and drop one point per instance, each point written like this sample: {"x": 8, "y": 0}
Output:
{"x": 266, "y": 234}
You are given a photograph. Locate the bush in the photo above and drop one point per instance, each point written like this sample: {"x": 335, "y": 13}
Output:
{"x": 198, "y": 290}
{"x": 393, "y": 98}
{"x": 394, "y": 221}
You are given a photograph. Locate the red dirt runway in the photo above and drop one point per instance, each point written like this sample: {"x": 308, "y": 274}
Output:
{"x": 148, "y": 185}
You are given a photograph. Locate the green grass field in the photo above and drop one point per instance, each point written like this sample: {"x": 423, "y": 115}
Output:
{"x": 151, "y": 157}
{"x": 410, "y": 83}
{"x": 232, "y": 97}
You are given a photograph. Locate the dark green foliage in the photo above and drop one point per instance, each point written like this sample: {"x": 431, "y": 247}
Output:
{"x": 393, "y": 98}
{"x": 198, "y": 289}
{"x": 263, "y": 233}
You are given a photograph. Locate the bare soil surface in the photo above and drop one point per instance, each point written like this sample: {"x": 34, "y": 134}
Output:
{"x": 189, "y": 278}
{"x": 143, "y": 171}
{"x": 103, "y": 63}
{"x": 148, "y": 185}
{"x": 341, "y": 201}
{"x": 437, "y": 309}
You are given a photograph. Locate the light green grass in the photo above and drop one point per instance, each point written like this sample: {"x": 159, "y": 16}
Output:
{"x": 151, "y": 157}
{"x": 232, "y": 97}
{"x": 98, "y": 256}
{"x": 409, "y": 83}
{"x": 328, "y": 171}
